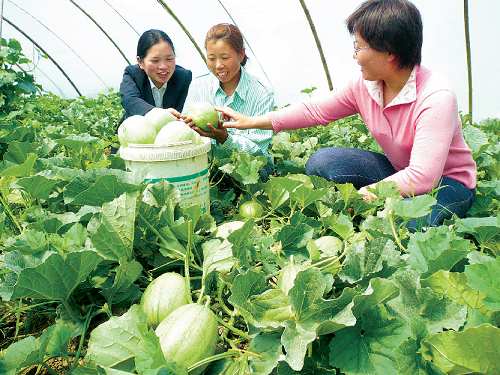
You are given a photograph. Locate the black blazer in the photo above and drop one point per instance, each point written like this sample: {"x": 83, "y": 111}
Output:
{"x": 137, "y": 97}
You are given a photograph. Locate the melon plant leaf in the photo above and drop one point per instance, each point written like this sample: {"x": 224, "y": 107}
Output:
{"x": 476, "y": 139}
{"x": 116, "y": 342}
{"x": 379, "y": 291}
{"x": 348, "y": 192}
{"x": 31, "y": 352}
{"x": 18, "y": 152}
{"x": 217, "y": 256}
{"x": 267, "y": 347}
{"x": 97, "y": 186}
{"x": 306, "y": 195}
{"x": 295, "y": 340}
{"x": 276, "y": 193}
{"x": 244, "y": 286}
{"x": 415, "y": 302}
{"x": 368, "y": 348}
{"x": 417, "y": 206}
{"x": 410, "y": 361}
{"x": 112, "y": 232}
{"x": 56, "y": 277}
{"x": 365, "y": 260}
{"x": 37, "y": 186}
{"x": 454, "y": 285}
{"x": 341, "y": 225}
{"x": 17, "y": 356}
{"x": 482, "y": 228}
{"x": 484, "y": 278}
{"x": 436, "y": 249}
{"x": 22, "y": 170}
{"x": 77, "y": 142}
{"x": 474, "y": 350}
{"x": 313, "y": 315}
{"x": 269, "y": 309}
{"x": 123, "y": 287}
{"x": 162, "y": 194}
{"x": 240, "y": 240}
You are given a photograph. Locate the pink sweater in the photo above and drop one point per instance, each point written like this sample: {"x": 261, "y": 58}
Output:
{"x": 420, "y": 131}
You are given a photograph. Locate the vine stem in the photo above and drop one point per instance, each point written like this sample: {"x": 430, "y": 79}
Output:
{"x": 13, "y": 218}
{"x": 164, "y": 242}
{"x": 235, "y": 330}
{"x": 186, "y": 258}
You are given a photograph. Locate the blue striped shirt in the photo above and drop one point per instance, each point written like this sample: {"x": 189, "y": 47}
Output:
{"x": 251, "y": 98}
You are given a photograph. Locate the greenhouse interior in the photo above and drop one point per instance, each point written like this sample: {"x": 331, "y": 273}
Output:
{"x": 228, "y": 187}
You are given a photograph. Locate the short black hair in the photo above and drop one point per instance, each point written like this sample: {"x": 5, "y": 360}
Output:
{"x": 150, "y": 38}
{"x": 394, "y": 26}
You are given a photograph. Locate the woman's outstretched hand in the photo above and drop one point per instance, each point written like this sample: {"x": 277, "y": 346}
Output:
{"x": 241, "y": 121}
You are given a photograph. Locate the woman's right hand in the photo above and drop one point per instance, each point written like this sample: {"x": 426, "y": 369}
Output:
{"x": 241, "y": 121}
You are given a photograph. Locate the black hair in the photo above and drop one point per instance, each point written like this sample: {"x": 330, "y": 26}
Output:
{"x": 150, "y": 38}
{"x": 394, "y": 26}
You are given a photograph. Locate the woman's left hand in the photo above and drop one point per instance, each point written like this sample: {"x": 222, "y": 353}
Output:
{"x": 220, "y": 134}
{"x": 367, "y": 196}
{"x": 176, "y": 113}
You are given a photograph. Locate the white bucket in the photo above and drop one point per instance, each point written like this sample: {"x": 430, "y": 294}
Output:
{"x": 184, "y": 167}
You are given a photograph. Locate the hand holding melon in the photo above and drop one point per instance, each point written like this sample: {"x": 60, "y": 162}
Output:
{"x": 202, "y": 113}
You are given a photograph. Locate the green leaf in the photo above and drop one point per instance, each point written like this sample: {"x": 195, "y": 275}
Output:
{"x": 482, "y": 228}
{"x": 116, "y": 342}
{"x": 484, "y": 278}
{"x": 37, "y": 186}
{"x": 123, "y": 287}
{"x": 369, "y": 347}
{"x": 475, "y": 350}
{"x": 112, "y": 232}
{"x": 267, "y": 347}
{"x": 418, "y": 206}
{"x": 16, "y": 356}
{"x": 98, "y": 186}
{"x": 77, "y": 142}
{"x": 276, "y": 193}
{"x": 244, "y": 286}
{"x": 57, "y": 277}
{"x": 436, "y": 249}
{"x": 366, "y": 259}
{"x": 269, "y": 309}
{"x": 454, "y": 286}
{"x": 23, "y": 170}
{"x": 423, "y": 304}
{"x": 240, "y": 240}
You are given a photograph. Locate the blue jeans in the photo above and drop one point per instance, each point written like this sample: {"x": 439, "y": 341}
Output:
{"x": 361, "y": 168}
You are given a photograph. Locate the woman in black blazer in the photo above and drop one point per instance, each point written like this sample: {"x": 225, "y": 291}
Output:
{"x": 156, "y": 74}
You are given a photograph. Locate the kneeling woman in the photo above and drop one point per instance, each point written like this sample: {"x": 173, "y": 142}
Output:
{"x": 410, "y": 111}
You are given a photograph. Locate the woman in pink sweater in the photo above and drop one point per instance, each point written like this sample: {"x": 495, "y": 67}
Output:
{"x": 410, "y": 111}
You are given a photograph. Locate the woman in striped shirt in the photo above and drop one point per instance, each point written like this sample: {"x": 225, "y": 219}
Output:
{"x": 230, "y": 85}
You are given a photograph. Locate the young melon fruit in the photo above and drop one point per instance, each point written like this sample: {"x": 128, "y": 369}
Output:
{"x": 188, "y": 335}
{"x": 163, "y": 295}
{"x": 136, "y": 129}
{"x": 160, "y": 117}
{"x": 251, "y": 209}
{"x": 203, "y": 113}
{"x": 177, "y": 131}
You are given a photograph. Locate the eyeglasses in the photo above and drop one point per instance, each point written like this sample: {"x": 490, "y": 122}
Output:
{"x": 357, "y": 49}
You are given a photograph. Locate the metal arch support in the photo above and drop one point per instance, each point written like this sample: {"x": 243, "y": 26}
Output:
{"x": 45, "y": 52}
{"x": 100, "y": 28}
{"x": 166, "y": 7}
